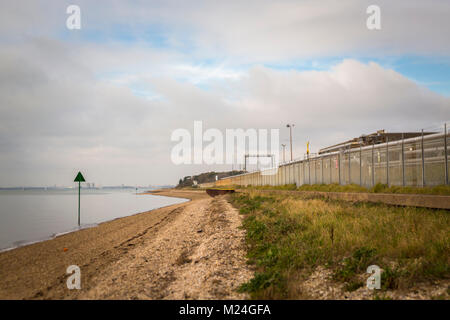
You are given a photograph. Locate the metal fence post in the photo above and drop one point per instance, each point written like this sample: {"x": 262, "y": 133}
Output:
{"x": 349, "y": 167}
{"x": 291, "y": 173}
{"x": 304, "y": 171}
{"x": 315, "y": 171}
{"x": 387, "y": 161}
{"x": 445, "y": 153}
{"x": 403, "y": 160}
{"x": 360, "y": 166}
{"x": 322, "y": 169}
{"x": 423, "y": 163}
{"x": 309, "y": 170}
{"x": 331, "y": 180}
{"x": 339, "y": 166}
{"x": 373, "y": 165}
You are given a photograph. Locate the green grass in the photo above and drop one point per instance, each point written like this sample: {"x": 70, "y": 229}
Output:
{"x": 379, "y": 188}
{"x": 360, "y": 259}
{"x": 289, "y": 236}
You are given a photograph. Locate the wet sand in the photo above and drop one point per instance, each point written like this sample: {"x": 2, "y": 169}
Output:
{"x": 192, "y": 250}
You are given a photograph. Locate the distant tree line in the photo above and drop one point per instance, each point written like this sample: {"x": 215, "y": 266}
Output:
{"x": 206, "y": 177}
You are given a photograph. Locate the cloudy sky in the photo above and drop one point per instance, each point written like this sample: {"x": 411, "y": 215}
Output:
{"x": 105, "y": 99}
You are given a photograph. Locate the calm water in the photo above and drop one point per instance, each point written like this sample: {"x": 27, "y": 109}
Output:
{"x": 30, "y": 216}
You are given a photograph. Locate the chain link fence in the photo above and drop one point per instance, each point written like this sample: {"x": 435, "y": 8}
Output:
{"x": 419, "y": 161}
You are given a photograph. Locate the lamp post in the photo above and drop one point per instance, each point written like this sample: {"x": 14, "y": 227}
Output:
{"x": 290, "y": 135}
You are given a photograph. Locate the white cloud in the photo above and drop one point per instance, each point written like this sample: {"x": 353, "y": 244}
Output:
{"x": 247, "y": 31}
{"x": 74, "y": 103}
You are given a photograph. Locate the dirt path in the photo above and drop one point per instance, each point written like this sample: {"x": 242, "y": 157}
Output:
{"x": 200, "y": 255}
{"x": 193, "y": 250}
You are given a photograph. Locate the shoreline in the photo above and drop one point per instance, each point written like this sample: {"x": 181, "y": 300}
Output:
{"x": 24, "y": 243}
{"x": 34, "y": 270}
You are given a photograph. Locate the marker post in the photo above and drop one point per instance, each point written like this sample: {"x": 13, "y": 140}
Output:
{"x": 79, "y": 178}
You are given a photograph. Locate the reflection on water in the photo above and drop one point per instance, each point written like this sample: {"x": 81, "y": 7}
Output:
{"x": 35, "y": 215}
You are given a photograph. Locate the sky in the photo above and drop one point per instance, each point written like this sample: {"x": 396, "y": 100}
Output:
{"x": 105, "y": 99}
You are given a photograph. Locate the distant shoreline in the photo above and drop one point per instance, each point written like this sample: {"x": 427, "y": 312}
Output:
{"x": 28, "y": 270}
{"x": 23, "y": 243}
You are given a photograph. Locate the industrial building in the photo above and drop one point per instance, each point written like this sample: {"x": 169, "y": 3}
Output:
{"x": 374, "y": 138}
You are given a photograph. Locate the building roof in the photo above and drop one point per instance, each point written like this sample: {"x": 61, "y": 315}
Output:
{"x": 374, "y": 138}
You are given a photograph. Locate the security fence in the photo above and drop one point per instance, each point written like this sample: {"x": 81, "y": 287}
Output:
{"x": 419, "y": 161}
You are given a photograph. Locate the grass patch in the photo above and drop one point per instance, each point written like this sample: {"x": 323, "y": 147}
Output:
{"x": 355, "y": 264}
{"x": 378, "y": 188}
{"x": 289, "y": 236}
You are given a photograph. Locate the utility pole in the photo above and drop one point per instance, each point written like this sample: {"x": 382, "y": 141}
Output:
{"x": 290, "y": 136}
{"x": 284, "y": 153}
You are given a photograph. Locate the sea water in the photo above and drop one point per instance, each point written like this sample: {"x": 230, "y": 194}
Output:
{"x": 28, "y": 216}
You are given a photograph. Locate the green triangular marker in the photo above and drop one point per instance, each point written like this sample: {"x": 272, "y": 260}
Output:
{"x": 79, "y": 178}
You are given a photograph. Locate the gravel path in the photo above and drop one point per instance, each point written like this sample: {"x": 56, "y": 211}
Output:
{"x": 199, "y": 255}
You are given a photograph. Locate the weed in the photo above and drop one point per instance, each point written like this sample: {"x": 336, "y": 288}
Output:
{"x": 357, "y": 263}
{"x": 390, "y": 278}
{"x": 288, "y": 236}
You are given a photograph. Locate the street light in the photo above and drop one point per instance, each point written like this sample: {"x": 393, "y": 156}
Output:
{"x": 290, "y": 135}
